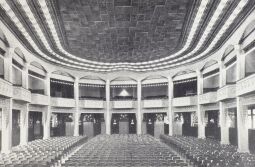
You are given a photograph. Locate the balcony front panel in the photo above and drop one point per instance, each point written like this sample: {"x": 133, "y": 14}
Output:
{"x": 97, "y": 104}
{"x": 246, "y": 85}
{"x": 21, "y": 94}
{"x": 226, "y": 92}
{"x": 62, "y": 102}
{"x": 185, "y": 101}
{"x": 39, "y": 99}
{"x": 123, "y": 104}
{"x": 155, "y": 103}
{"x": 207, "y": 98}
{"x": 5, "y": 88}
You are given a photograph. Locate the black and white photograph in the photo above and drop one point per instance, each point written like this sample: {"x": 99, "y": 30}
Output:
{"x": 127, "y": 83}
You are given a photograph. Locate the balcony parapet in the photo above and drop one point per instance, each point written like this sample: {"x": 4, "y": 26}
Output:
{"x": 87, "y": 103}
{"x": 207, "y": 98}
{"x": 21, "y": 94}
{"x": 226, "y": 92}
{"x": 123, "y": 104}
{"x": 246, "y": 85}
{"x": 185, "y": 101}
{"x": 155, "y": 103}
{"x": 39, "y": 99}
{"x": 5, "y": 88}
{"x": 62, "y": 102}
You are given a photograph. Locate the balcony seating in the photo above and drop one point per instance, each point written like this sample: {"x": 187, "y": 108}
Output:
{"x": 124, "y": 150}
{"x": 208, "y": 153}
{"x": 43, "y": 153}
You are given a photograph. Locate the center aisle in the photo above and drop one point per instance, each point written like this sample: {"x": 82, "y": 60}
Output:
{"x": 124, "y": 150}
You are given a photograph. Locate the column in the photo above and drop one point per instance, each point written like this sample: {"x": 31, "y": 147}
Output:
{"x": 77, "y": 112}
{"x": 24, "y": 112}
{"x": 139, "y": 112}
{"x": 8, "y": 65}
{"x": 47, "y": 109}
{"x": 108, "y": 112}
{"x": 200, "y": 111}
{"x": 24, "y": 124}
{"x": 170, "y": 106}
{"x": 224, "y": 129}
{"x": 242, "y": 129}
{"x": 6, "y": 105}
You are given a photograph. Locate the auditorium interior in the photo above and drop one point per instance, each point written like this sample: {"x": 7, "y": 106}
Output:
{"x": 124, "y": 83}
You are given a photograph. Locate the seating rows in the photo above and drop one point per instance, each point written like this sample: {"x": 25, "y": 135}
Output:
{"x": 41, "y": 153}
{"x": 124, "y": 150}
{"x": 208, "y": 152}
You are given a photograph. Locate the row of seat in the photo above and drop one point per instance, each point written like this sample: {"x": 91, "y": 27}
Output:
{"x": 124, "y": 150}
{"x": 41, "y": 153}
{"x": 208, "y": 152}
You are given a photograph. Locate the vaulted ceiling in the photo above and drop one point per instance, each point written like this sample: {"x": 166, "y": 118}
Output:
{"x": 135, "y": 35}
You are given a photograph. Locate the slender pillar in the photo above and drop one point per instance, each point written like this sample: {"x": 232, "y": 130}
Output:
{"x": 170, "y": 106}
{"x": 224, "y": 129}
{"x": 24, "y": 125}
{"x": 139, "y": 112}
{"x": 77, "y": 112}
{"x": 108, "y": 113}
{"x": 242, "y": 129}
{"x": 47, "y": 109}
{"x": 200, "y": 110}
{"x": 8, "y": 64}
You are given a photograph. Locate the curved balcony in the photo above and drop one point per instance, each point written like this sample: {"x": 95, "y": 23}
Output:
{"x": 62, "y": 102}
{"x": 226, "y": 92}
{"x": 91, "y": 103}
{"x": 39, "y": 99}
{"x": 246, "y": 85}
{"x": 21, "y": 94}
{"x": 207, "y": 98}
{"x": 5, "y": 88}
{"x": 185, "y": 101}
{"x": 155, "y": 103}
{"x": 123, "y": 104}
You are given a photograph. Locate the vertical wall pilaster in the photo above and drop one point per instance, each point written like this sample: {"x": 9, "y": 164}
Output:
{"x": 139, "y": 112}
{"x": 224, "y": 129}
{"x": 170, "y": 113}
{"x": 24, "y": 124}
{"x": 8, "y": 64}
{"x": 200, "y": 110}
{"x": 77, "y": 112}
{"x": 108, "y": 113}
{"x": 47, "y": 109}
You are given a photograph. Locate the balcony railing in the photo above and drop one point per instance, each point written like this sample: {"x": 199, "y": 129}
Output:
{"x": 246, "y": 85}
{"x": 22, "y": 94}
{"x": 89, "y": 103}
{"x": 226, "y": 92}
{"x": 207, "y": 98}
{"x": 62, "y": 102}
{"x": 5, "y": 88}
{"x": 123, "y": 104}
{"x": 39, "y": 99}
{"x": 185, "y": 101}
{"x": 155, "y": 103}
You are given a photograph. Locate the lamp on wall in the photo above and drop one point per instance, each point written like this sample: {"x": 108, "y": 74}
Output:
{"x": 124, "y": 93}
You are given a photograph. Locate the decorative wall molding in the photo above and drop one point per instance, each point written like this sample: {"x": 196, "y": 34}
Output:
{"x": 155, "y": 103}
{"x": 83, "y": 110}
{"x": 230, "y": 104}
{"x": 185, "y": 101}
{"x": 123, "y": 111}
{"x": 63, "y": 110}
{"x": 245, "y": 85}
{"x": 123, "y": 104}
{"x": 5, "y": 88}
{"x": 185, "y": 109}
{"x": 207, "y": 98}
{"x": 37, "y": 108}
{"x": 22, "y": 94}
{"x": 213, "y": 106}
{"x": 38, "y": 99}
{"x": 99, "y": 104}
{"x": 154, "y": 110}
{"x": 226, "y": 92}
{"x": 62, "y": 102}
